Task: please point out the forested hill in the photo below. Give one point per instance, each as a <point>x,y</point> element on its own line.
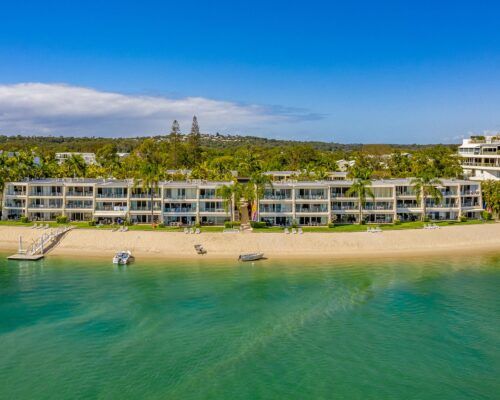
<point>216,142</point>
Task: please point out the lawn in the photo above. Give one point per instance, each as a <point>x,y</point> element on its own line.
<point>363,228</point>
<point>273,229</point>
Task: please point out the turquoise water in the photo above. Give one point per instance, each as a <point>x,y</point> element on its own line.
<point>274,330</point>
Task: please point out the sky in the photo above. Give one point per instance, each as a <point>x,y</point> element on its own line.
<point>336,71</point>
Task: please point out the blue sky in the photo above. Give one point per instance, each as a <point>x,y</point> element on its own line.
<point>372,72</point>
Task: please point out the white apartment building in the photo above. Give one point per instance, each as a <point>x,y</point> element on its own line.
<point>480,157</point>
<point>321,202</point>
<point>89,158</point>
<point>112,200</point>
<point>185,202</point>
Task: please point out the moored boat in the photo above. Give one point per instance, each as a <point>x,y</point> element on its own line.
<point>251,257</point>
<point>123,257</point>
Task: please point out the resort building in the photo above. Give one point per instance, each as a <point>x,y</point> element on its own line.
<point>110,201</point>
<point>480,157</point>
<point>321,202</point>
<point>89,158</point>
<point>186,202</point>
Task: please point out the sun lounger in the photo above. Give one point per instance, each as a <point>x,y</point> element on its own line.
<point>197,231</point>
<point>294,231</point>
<point>287,232</point>
<point>300,231</point>
<point>186,230</point>
<point>191,231</point>
<point>34,226</point>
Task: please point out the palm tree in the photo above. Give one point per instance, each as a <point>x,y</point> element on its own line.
<point>76,166</point>
<point>227,194</point>
<point>258,182</point>
<point>491,196</point>
<point>361,189</point>
<point>151,168</point>
<point>425,186</point>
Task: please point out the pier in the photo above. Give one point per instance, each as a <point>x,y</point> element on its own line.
<point>38,249</point>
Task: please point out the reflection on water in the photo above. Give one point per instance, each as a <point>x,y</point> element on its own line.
<point>277,329</point>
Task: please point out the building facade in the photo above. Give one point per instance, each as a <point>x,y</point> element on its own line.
<point>480,157</point>
<point>109,201</point>
<point>318,203</point>
<point>186,202</point>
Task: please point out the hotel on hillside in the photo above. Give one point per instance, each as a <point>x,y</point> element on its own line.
<point>480,157</point>
<point>186,202</point>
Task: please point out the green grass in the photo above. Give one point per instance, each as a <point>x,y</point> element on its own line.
<point>363,228</point>
<point>273,229</point>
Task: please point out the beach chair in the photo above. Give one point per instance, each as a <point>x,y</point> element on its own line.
<point>191,231</point>
<point>369,230</point>
<point>125,229</point>
<point>287,232</point>
<point>34,226</point>
<point>186,230</point>
<point>197,231</point>
<point>294,231</point>
<point>300,231</point>
<point>46,226</point>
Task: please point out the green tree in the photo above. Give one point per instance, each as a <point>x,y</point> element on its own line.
<point>361,189</point>
<point>151,168</point>
<point>194,148</point>
<point>175,141</point>
<point>426,186</point>
<point>256,187</point>
<point>491,197</point>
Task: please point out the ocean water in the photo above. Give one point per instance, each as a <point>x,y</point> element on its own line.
<point>417,329</point>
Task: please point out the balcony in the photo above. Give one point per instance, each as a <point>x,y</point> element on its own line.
<point>179,210</point>
<point>79,194</point>
<point>311,197</point>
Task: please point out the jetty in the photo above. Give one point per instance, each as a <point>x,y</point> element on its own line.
<point>37,250</point>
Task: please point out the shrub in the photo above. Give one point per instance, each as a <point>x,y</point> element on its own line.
<point>228,224</point>
<point>426,219</point>
<point>197,225</point>
<point>92,223</point>
<point>236,224</point>
<point>331,225</point>
<point>161,225</point>
<point>486,215</point>
<point>463,218</point>
<point>397,221</point>
<point>62,219</point>
<point>363,222</point>
<point>257,225</point>
<point>24,219</point>
<point>295,224</point>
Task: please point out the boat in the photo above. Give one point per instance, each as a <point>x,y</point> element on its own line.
<point>123,257</point>
<point>251,257</point>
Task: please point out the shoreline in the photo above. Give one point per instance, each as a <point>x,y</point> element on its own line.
<point>481,239</point>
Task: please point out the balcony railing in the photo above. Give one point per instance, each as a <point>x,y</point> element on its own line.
<point>179,210</point>
<point>275,197</point>
<point>310,197</point>
<point>46,194</point>
<point>45,206</point>
<point>111,195</point>
<point>15,193</point>
<point>79,194</point>
<point>213,210</point>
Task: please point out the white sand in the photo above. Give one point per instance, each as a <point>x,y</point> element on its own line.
<point>466,239</point>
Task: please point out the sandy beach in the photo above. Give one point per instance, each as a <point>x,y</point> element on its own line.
<point>467,239</point>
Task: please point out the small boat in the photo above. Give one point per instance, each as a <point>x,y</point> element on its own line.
<point>251,257</point>
<point>123,257</point>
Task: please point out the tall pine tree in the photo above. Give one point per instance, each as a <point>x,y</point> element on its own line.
<point>174,140</point>
<point>194,143</point>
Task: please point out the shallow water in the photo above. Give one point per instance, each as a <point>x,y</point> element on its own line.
<point>273,330</point>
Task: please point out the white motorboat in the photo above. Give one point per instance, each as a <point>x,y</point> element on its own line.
<point>123,257</point>
<point>251,257</point>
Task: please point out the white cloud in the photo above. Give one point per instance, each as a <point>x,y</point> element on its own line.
<point>59,109</point>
